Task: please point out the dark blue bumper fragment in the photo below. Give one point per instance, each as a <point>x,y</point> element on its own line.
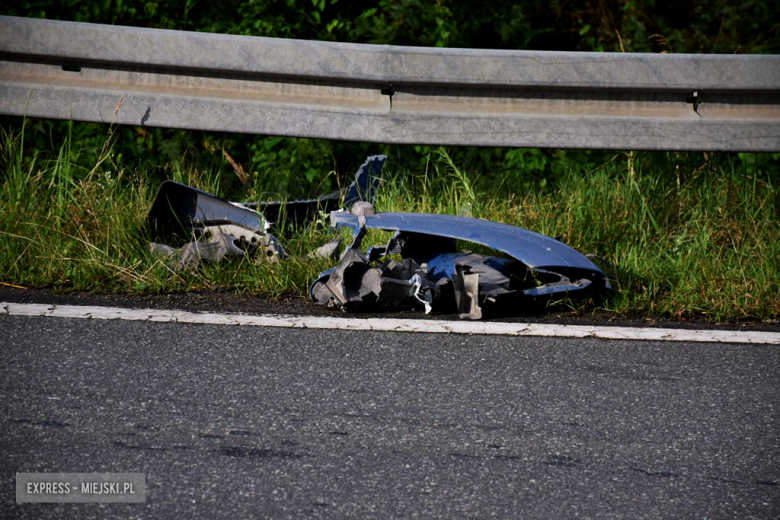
<point>538,266</point>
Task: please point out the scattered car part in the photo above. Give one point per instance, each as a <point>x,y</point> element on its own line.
<point>354,284</point>
<point>363,188</point>
<point>329,249</point>
<point>209,228</point>
<point>179,209</point>
<point>433,274</point>
<point>538,266</point>
<point>533,249</point>
<point>214,245</point>
<point>363,208</point>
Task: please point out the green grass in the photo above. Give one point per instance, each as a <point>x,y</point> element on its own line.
<point>688,237</point>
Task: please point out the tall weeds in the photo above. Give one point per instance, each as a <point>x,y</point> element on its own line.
<point>684,240</point>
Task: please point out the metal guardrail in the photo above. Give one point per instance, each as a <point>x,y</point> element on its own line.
<point>388,94</point>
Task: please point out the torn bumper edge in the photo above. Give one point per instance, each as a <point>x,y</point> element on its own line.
<point>539,253</point>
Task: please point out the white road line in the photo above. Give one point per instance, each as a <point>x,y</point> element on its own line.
<point>391,324</point>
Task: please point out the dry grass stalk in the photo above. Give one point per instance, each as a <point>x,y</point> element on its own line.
<point>240,173</point>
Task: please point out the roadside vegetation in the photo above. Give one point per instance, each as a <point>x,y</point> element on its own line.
<point>686,235</point>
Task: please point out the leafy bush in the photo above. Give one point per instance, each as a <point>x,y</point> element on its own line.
<point>301,167</point>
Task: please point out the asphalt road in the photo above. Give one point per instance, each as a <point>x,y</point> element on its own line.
<point>250,422</point>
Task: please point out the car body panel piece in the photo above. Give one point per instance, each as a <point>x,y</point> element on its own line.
<point>179,208</point>
<point>532,249</point>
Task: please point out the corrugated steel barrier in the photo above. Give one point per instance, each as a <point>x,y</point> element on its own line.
<point>388,94</point>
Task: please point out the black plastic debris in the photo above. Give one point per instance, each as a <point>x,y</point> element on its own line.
<point>440,278</point>
<point>356,285</point>
<point>178,210</point>
<point>367,180</point>
<point>204,227</point>
<point>189,225</point>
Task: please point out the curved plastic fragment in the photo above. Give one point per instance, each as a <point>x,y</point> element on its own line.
<point>532,249</point>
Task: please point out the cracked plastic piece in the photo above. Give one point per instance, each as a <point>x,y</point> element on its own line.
<point>179,209</point>
<point>474,275</point>
<point>329,249</point>
<point>419,293</point>
<point>467,294</point>
<point>423,237</point>
<point>355,285</point>
<point>214,245</point>
<point>533,249</point>
<point>206,227</point>
<point>367,180</point>
<point>471,283</point>
<point>190,254</point>
<point>185,215</point>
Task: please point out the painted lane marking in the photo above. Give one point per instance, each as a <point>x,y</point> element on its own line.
<point>391,324</point>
